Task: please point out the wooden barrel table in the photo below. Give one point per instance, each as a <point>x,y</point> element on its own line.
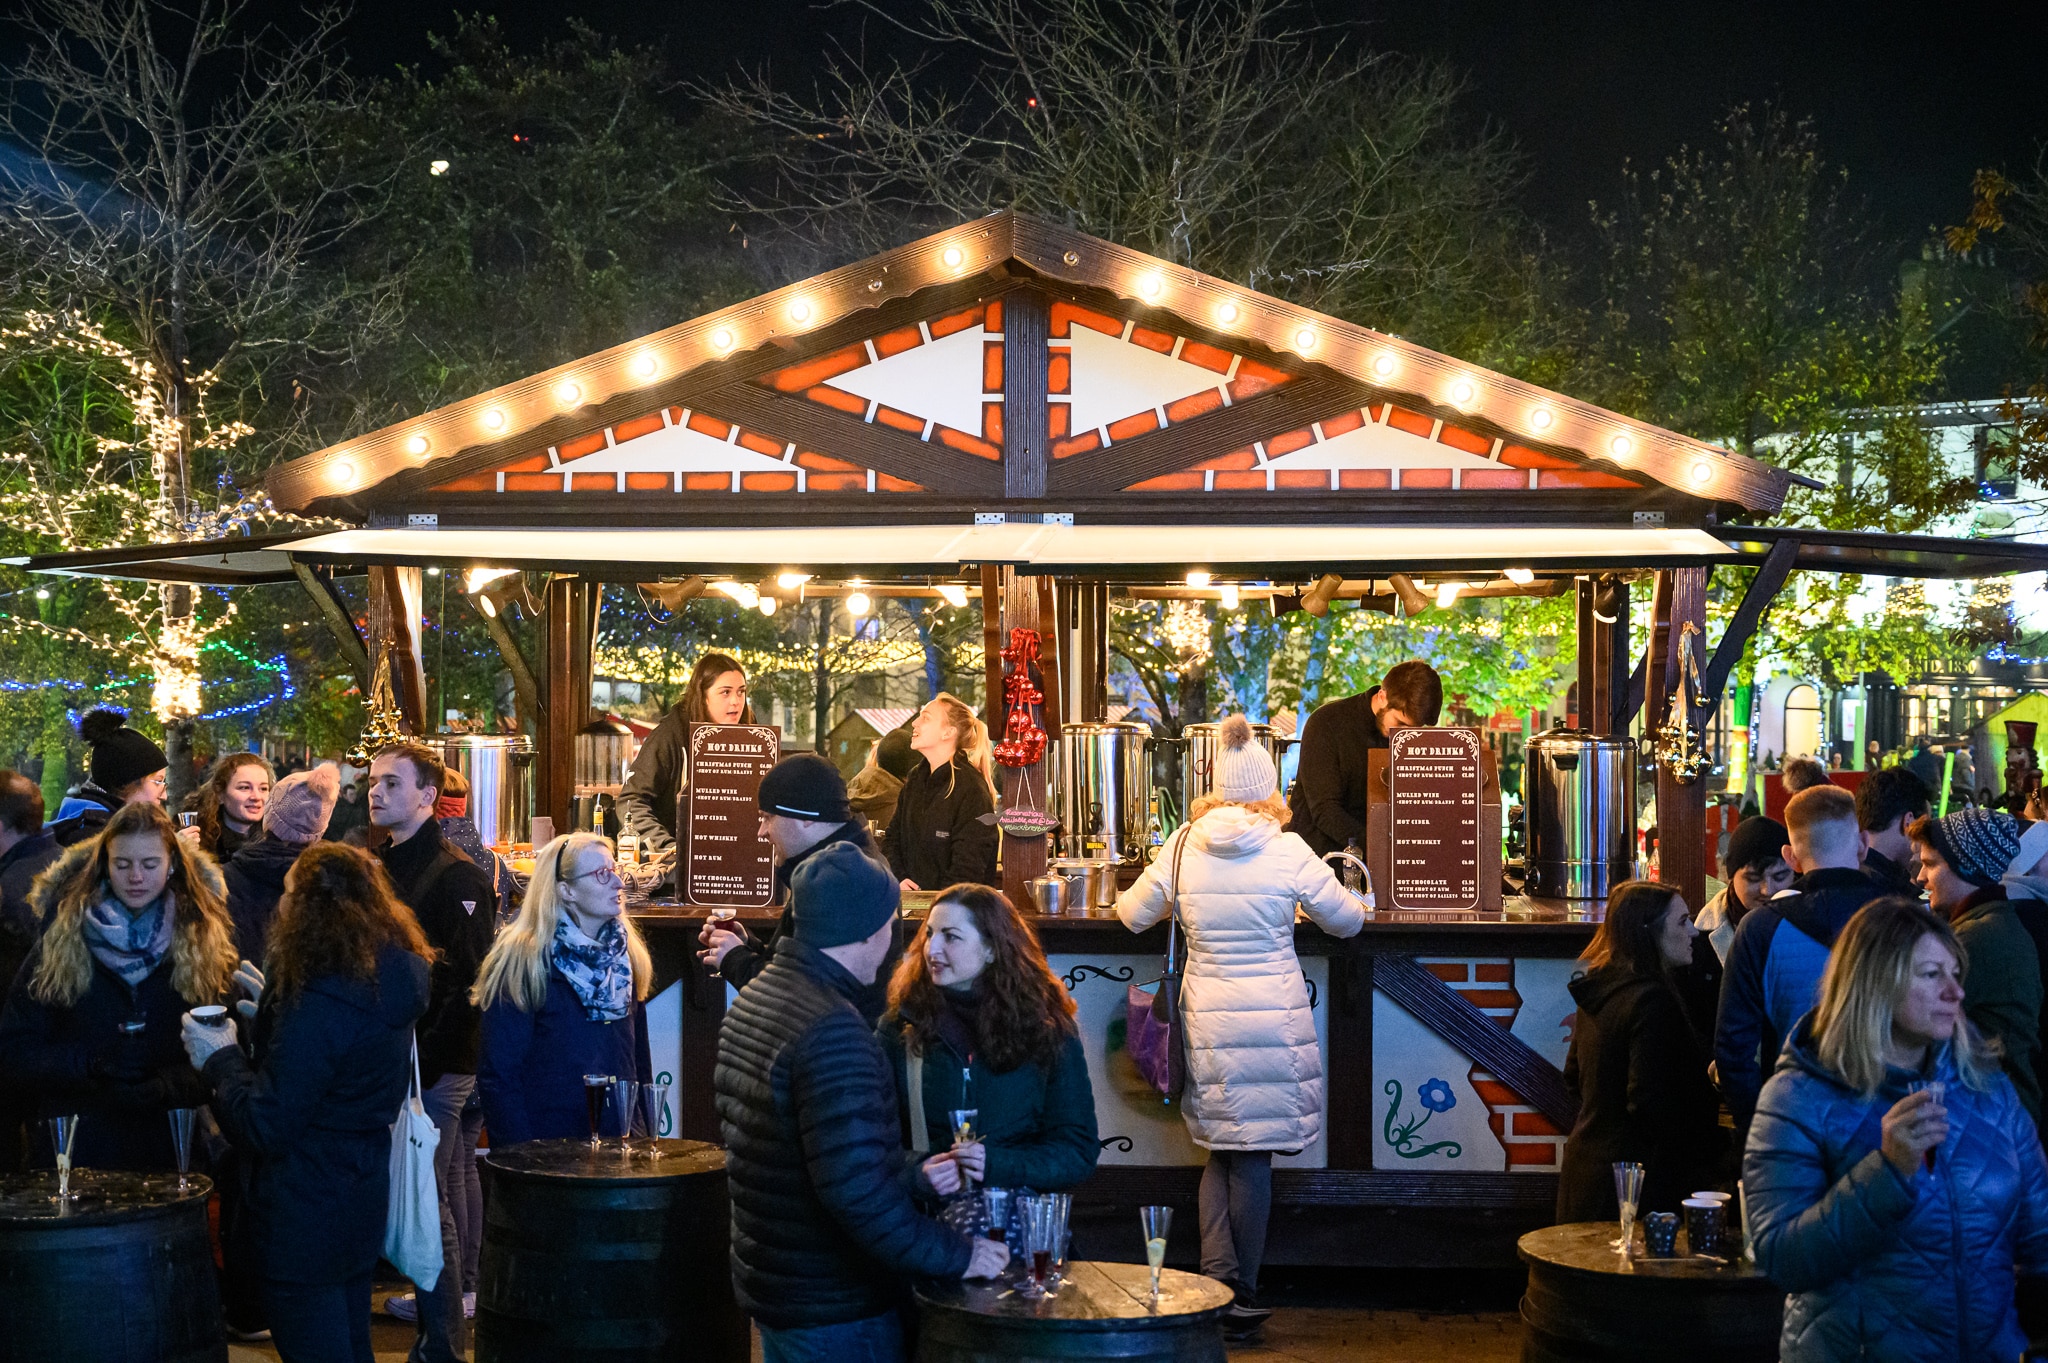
<point>123,1273</point>
<point>604,1257</point>
<point>1588,1304</point>
<point>1101,1311</point>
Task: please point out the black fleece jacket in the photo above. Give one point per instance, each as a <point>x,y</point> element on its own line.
<point>943,832</point>
<point>823,1231</point>
<point>1328,801</point>
<point>457,911</point>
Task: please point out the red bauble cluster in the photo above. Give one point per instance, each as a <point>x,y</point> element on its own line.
<point>1023,741</point>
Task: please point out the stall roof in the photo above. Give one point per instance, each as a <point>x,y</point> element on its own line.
<point>1845,551</point>
<point>241,561</point>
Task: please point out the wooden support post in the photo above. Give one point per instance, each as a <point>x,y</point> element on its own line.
<point>568,630</point>
<point>1027,432</point>
<point>1049,662</point>
<point>992,579</point>
<point>1093,648</point>
<point>1603,656</point>
<point>396,597</point>
<point>333,614</point>
<point>1681,597</point>
<point>1620,707</point>
<point>1024,859</point>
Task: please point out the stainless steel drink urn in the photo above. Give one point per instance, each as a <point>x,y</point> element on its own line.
<point>1100,783</point>
<point>1198,756</point>
<point>500,773</point>
<point>1579,804</point>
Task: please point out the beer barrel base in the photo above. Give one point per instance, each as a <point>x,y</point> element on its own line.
<point>1102,1311</point>
<point>1586,1304</point>
<point>123,1274</point>
<point>606,1258</point>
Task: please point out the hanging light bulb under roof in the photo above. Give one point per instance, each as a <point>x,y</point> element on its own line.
<point>745,593</point>
<point>1446,595</point>
<point>857,603</point>
<point>1198,577</point>
<point>1227,596</point>
<point>789,582</point>
<point>953,594</point>
<point>768,605</point>
<point>1521,577</point>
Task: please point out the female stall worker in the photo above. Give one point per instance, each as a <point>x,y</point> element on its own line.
<point>978,1020</point>
<point>1893,1213</point>
<point>944,832</point>
<point>717,694</point>
<point>561,993</point>
<point>231,804</point>
<point>138,933</point>
<point>310,1110</point>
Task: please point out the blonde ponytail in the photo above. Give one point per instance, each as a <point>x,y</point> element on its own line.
<point>971,739</point>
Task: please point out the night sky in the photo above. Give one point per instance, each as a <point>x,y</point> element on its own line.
<point>1911,99</point>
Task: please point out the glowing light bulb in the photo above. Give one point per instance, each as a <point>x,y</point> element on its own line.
<point>789,582</point>
<point>1227,314</point>
<point>1384,364</point>
<point>953,594</point>
<point>857,603</point>
<point>723,340</point>
<point>568,392</point>
<point>475,578</point>
<point>431,572</point>
<point>437,167</point>
<point>768,605</point>
<point>1521,577</point>
<point>1621,445</point>
<point>645,364</point>
<point>416,445</point>
<point>1228,596</point>
<point>1151,286</point>
<point>1305,339</point>
<point>745,593</point>
<point>1463,391</point>
<point>344,473</point>
<point>1198,578</point>
<point>488,607</point>
<point>952,257</point>
<point>1541,418</point>
<point>1446,595</point>
<point>799,312</point>
<point>494,419</point>
<point>1702,471</point>
<point>43,594</point>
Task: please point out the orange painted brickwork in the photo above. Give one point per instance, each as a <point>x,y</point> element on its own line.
<point>1531,1141</point>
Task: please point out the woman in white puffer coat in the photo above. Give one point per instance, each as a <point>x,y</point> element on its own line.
<point>1255,1073</point>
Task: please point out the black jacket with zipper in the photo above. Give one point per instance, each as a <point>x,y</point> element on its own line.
<point>457,908</point>
<point>944,830</point>
<point>744,961</point>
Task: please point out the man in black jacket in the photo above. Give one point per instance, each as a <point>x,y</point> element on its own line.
<point>26,849</point>
<point>457,908</point>
<point>824,1232</point>
<point>804,810</point>
<point>1886,803</point>
<point>1328,800</point>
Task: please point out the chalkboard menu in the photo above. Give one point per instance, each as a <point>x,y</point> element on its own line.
<point>725,860</point>
<point>1434,788</point>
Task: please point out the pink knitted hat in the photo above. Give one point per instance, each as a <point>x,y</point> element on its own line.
<point>301,804</point>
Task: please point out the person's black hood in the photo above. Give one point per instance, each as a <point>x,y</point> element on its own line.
<point>1824,900</point>
<point>265,862</point>
<point>396,997</point>
<point>1598,989</point>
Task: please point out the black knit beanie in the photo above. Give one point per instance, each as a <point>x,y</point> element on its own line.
<point>1754,840</point>
<point>805,786</point>
<point>120,756</point>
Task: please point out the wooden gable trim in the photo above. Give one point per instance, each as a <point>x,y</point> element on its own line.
<point>838,436</point>
<point>1181,447</point>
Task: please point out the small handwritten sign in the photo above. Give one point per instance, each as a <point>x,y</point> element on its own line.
<point>726,860</point>
<point>1435,785</point>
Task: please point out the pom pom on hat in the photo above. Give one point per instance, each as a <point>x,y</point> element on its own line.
<point>1243,771</point>
<point>120,756</point>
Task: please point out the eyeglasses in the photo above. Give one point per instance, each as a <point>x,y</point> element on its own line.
<point>608,871</point>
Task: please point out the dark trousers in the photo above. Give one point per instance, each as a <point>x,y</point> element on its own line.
<point>242,1285</point>
<point>443,1333</point>
<point>320,1322</point>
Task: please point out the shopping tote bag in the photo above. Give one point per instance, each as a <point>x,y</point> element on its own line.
<point>412,1220</point>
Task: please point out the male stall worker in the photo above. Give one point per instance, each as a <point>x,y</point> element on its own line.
<point>1327,803</point>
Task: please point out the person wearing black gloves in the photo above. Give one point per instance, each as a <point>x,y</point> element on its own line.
<point>136,934</point>
<point>803,811</point>
<point>1327,803</point>
<point>824,1231</point>
<point>944,829</point>
<point>453,900</point>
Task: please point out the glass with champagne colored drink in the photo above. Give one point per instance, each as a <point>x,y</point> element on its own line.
<point>595,1087</point>
<point>182,1119</point>
<point>63,1130</point>
<point>1155,1222</point>
<point>653,1103</point>
<point>721,915</point>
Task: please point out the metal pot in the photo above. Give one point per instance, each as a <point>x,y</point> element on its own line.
<point>1202,742</point>
<point>1050,893</point>
<point>1579,804</point>
<point>1099,786</point>
<point>499,768</point>
<point>1091,881</point>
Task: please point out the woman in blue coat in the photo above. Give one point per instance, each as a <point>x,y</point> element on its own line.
<point>563,994</point>
<point>1895,1215</point>
<point>310,1110</point>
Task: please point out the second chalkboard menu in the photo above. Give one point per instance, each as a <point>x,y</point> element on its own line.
<point>726,861</point>
<point>1433,824</point>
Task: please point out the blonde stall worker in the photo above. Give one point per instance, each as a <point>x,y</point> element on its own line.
<point>944,829</point>
<point>1255,1072</point>
<point>563,994</point>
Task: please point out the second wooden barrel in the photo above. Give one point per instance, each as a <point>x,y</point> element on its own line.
<point>1102,1311</point>
<point>603,1257</point>
<point>1586,1304</point>
<point>122,1274</point>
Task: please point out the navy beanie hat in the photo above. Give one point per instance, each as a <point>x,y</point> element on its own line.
<point>1978,844</point>
<point>804,785</point>
<point>839,895</point>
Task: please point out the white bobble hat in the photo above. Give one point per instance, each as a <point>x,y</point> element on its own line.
<point>1244,769</point>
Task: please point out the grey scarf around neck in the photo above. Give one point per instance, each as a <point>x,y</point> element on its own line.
<point>130,946</point>
<point>599,970</point>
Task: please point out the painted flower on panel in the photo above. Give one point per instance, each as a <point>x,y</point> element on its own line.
<point>1436,1095</point>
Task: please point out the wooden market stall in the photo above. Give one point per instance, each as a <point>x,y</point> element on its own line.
<point>1016,411</point>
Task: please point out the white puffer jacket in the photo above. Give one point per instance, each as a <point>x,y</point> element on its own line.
<point>1255,1074</point>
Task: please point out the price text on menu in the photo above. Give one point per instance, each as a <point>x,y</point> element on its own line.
<point>1434,784</point>
<point>726,860</point>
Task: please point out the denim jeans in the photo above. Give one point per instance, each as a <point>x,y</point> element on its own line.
<point>443,1333</point>
<point>878,1339</point>
<point>320,1322</point>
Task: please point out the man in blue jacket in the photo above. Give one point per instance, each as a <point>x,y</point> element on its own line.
<point>1774,967</point>
<point>824,1233</point>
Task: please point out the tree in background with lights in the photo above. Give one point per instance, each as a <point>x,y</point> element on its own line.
<point>2011,215</point>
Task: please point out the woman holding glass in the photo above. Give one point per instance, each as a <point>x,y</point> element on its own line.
<point>1895,1183</point>
<point>979,1025</point>
<point>138,932</point>
<point>310,1107</point>
<point>231,805</point>
<point>562,994</point>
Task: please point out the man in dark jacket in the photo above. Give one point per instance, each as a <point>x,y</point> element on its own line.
<point>26,848</point>
<point>804,810</point>
<point>452,897</point>
<point>824,1233</point>
<point>1774,968</point>
<point>1887,802</point>
<point>1328,799</point>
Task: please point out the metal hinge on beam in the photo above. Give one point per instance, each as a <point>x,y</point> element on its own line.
<point>1649,520</point>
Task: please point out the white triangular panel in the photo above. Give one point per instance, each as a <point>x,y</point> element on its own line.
<point>1373,446</point>
<point>674,449</point>
<point>939,381</point>
<point>1113,379</point>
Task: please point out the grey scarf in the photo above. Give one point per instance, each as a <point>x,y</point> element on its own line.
<point>598,969</point>
<point>132,946</point>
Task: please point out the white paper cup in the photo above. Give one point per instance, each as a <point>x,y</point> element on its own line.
<point>210,1015</point>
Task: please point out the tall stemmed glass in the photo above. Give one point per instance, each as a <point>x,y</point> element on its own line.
<point>625,1101</point>
<point>63,1130</point>
<point>653,1104</point>
<point>1156,1222</point>
<point>182,1119</point>
<point>1628,1191</point>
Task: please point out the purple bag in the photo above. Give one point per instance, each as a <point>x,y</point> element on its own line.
<point>1152,1022</point>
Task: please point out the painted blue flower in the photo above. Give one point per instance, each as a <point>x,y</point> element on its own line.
<point>1436,1095</point>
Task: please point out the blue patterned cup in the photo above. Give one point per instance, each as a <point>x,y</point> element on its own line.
<point>1660,1234</point>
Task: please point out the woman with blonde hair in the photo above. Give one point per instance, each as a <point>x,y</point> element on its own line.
<point>1254,1069</point>
<point>1894,1181</point>
<point>137,932</point>
<point>944,831</point>
<point>563,994</point>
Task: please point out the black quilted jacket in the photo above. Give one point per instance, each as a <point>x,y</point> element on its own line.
<point>822,1231</point>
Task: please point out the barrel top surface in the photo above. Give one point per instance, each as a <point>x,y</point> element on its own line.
<point>1093,1296</point>
<point>575,1161</point>
<point>1585,1247</point>
<point>101,1196</point>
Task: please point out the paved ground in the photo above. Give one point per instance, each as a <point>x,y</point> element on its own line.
<point>1353,1315</point>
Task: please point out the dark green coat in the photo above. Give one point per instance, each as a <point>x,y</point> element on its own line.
<point>2002,988</point>
<point>1037,1121</point>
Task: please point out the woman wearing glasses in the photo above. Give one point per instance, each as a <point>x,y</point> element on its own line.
<point>717,694</point>
<point>562,995</point>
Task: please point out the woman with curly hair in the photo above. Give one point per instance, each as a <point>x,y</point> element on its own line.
<point>137,932</point>
<point>230,804</point>
<point>310,1106</point>
<point>563,994</point>
<point>978,1020</point>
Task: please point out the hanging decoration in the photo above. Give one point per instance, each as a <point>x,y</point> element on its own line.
<point>385,723</point>
<point>1678,744</point>
<point>1023,741</point>
<point>1186,628</point>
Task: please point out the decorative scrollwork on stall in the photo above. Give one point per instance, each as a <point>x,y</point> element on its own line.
<point>1122,974</point>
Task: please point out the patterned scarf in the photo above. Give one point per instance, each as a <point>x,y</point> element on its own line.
<point>598,969</point>
<point>130,946</point>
